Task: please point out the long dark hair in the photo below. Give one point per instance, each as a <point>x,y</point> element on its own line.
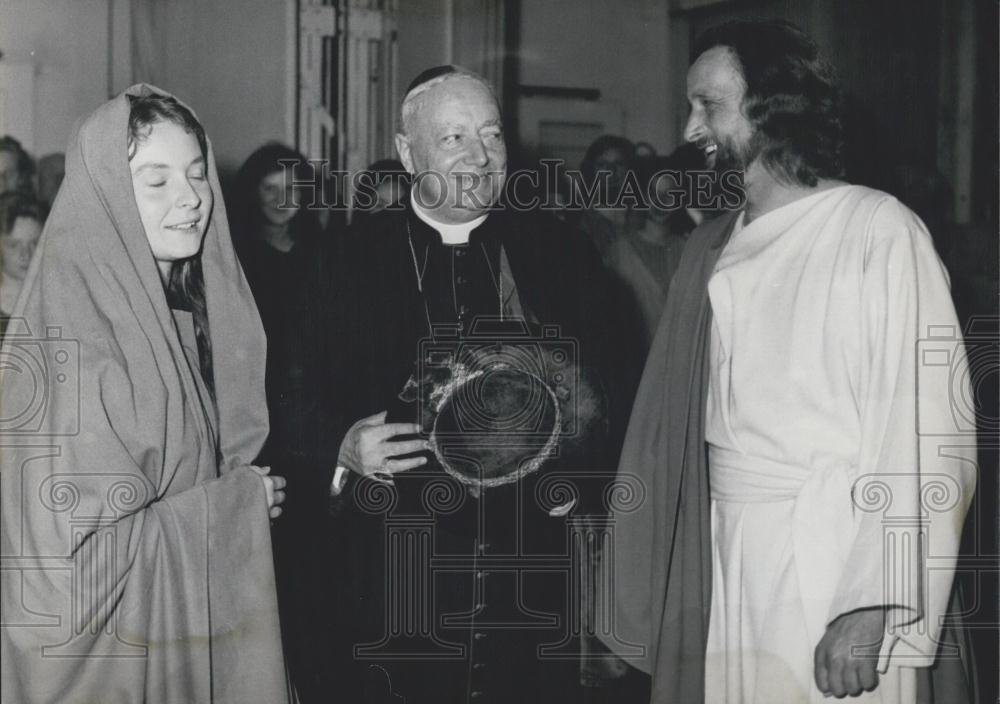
<point>792,98</point>
<point>185,288</point>
<point>264,161</point>
<point>19,204</point>
<point>25,164</point>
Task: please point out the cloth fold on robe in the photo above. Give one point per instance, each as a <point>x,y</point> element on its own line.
<point>830,422</point>
<point>135,538</point>
<point>660,558</point>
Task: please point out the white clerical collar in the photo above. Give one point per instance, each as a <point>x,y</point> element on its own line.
<point>450,234</point>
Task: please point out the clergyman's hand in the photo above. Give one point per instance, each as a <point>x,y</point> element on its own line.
<point>369,444</point>
<point>845,659</point>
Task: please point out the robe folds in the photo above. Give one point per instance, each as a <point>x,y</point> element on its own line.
<point>840,473</point>
<point>658,592</point>
<point>136,554</point>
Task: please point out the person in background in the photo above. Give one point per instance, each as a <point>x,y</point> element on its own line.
<point>17,168</point>
<point>21,220</point>
<point>51,170</point>
<point>287,262</point>
<point>645,257</point>
<point>382,185</point>
<point>137,558</point>
<point>604,169</point>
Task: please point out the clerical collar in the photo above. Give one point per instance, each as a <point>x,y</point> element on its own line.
<point>450,234</point>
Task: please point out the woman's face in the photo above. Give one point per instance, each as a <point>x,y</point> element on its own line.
<point>17,246</point>
<point>170,179</point>
<point>277,199</point>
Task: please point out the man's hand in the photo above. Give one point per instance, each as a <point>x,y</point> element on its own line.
<point>273,486</point>
<point>368,445</point>
<point>845,659</point>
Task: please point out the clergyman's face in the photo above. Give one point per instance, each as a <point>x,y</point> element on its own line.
<point>717,124</point>
<point>454,147</point>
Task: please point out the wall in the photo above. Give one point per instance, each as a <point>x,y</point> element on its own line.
<point>230,60</point>
<point>423,38</point>
<point>65,42</point>
<point>619,48</point>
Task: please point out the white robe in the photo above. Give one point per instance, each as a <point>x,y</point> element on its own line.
<point>840,475</point>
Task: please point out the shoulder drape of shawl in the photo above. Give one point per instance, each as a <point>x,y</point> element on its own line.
<point>660,560</point>
<point>136,546</point>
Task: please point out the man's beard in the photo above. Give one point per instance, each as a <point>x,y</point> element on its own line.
<point>730,157</point>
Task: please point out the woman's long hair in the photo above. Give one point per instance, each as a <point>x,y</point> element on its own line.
<point>265,160</point>
<point>185,287</point>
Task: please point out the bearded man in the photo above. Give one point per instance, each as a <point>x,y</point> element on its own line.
<point>813,558</point>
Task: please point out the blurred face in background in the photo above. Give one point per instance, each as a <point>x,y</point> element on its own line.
<point>276,198</point>
<point>17,246</point>
<point>615,163</point>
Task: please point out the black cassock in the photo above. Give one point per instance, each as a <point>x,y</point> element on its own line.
<point>445,595</point>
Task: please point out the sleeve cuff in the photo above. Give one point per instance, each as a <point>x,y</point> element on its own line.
<point>339,480</point>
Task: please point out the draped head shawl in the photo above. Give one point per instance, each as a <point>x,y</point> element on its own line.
<point>135,538</point>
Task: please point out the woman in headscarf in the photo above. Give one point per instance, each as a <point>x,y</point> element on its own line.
<point>135,536</point>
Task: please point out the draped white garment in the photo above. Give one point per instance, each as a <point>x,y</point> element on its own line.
<point>840,475</point>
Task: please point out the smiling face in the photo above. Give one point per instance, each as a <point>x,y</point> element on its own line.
<point>455,139</point>
<point>276,197</point>
<point>715,90</point>
<point>170,180</point>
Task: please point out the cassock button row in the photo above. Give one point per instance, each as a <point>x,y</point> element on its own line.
<point>475,694</point>
<point>479,635</point>
<point>460,280</point>
<point>480,574</point>
<point>460,251</point>
<point>479,666</point>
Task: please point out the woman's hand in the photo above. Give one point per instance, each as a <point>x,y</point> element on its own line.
<point>273,489</point>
